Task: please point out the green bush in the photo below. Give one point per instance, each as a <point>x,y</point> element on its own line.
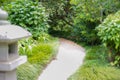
<point>3,2</point>
<point>43,47</point>
<point>109,33</point>
<point>60,16</point>
<point>26,45</point>
<point>88,15</point>
<point>28,14</point>
<point>96,54</point>
<point>30,46</point>
<point>84,30</point>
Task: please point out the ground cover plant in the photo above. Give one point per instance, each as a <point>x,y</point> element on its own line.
<point>3,2</point>
<point>96,66</point>
<point>88,15</point>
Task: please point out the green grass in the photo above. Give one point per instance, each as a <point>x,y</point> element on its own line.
<point>28,71</point>
<point>43,53</point>
<point>39,56</point>
<point>95,66</point>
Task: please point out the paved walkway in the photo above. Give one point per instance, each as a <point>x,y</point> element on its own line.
<point>70,57</point>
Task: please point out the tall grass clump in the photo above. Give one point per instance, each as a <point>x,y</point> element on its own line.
<point>39,54</point>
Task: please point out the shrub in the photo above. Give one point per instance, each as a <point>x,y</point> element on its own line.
<point>42,53</point>
<point>60,16</point>
<point>45,38</point>
<point>84,30</point>
<point>109,33</point>
<point>39,55</point>
<point>3,2</point>
<point>88,15</point>
<point>28,14</point>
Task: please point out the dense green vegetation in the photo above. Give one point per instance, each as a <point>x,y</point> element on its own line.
<point>28,14</point>
<point>96,66</point>
<point>94,22</point>
<point>109,32</point>
<point>89,14</point>
<point>3,2</point>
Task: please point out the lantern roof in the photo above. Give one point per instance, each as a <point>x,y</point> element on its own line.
<point>11,33</point>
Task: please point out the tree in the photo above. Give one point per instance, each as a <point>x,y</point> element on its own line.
<point>91,13</point>
<point>60,15</point>
<point>30,15</point>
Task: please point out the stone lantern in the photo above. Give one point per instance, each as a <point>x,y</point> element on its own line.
<point>9,57</point>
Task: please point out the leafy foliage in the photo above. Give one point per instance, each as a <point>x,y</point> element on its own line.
<point>109,32</point>
<point>88,15</point>
<point>60,16</point>
<point>85,31</point>
<point>41,48</point>
<point>28,14</point>
<point>27,46</point>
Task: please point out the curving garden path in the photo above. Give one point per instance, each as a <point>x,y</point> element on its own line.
<point>69,58</point>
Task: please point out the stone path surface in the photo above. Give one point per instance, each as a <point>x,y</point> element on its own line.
<point>69,58</point>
